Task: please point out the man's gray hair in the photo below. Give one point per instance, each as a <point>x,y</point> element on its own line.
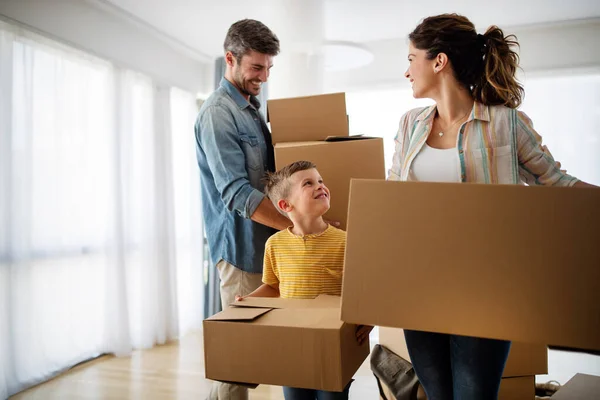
<point>247,35</point>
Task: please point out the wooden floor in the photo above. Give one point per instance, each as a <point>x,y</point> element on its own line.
<point>173,371</point>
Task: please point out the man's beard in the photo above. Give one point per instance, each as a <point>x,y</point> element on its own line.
<point>239,80</point>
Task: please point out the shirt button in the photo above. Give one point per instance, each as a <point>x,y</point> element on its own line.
<point>461,151</point>
<point>463,177</point>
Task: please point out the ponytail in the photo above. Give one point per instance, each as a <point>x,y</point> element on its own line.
<point>498,84</point>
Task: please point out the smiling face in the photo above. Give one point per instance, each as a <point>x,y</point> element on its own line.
<point>249,72</point>
<point>308,195</point>
<point>421,73</point>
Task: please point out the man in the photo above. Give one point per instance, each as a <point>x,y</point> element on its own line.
<point>234,150</point>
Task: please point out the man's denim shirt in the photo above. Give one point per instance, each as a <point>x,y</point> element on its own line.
<point>233,156</point>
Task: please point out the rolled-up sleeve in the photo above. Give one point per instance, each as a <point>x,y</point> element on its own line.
<point>217,137</point>
<point>395,172</point>
<point>536,164</point>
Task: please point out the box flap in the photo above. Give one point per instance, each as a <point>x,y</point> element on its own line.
<point>269,302</point>
<point>239,314</point>
<point>308,118</point>
<point>346,138</point>
<point>303,318</point>
<point>322,301</point>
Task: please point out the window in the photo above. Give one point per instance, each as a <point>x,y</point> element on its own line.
<point>100,228</point>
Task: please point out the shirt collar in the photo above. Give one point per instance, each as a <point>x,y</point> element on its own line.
<point>480,112</point>
<point>429,112</point>
<point>235,94</point>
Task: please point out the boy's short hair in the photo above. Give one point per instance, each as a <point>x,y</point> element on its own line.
<point>277,184</point>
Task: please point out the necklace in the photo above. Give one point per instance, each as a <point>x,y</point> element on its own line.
<point>452,126</point>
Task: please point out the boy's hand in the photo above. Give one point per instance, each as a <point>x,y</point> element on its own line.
<point>362,332</point>
<point>238,297</point>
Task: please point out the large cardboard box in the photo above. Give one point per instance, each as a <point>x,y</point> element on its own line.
<point>581,386</point>
<point>525,359</point>
<point>315,128</point>
<point>497,261</point>
<point>286,342</point>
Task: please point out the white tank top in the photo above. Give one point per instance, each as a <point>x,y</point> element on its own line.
<point>436,165</point>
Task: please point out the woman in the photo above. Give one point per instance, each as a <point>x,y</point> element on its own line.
<point>472,134</point>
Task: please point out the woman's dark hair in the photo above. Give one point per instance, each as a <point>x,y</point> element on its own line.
<point>484,64</point>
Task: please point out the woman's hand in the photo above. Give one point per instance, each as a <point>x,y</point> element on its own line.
<point>583,184</point>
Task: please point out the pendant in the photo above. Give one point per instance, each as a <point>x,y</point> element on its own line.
<point>441,134</point>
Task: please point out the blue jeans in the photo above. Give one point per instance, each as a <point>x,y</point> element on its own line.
<point>310,394</point>
<point>457,367</point>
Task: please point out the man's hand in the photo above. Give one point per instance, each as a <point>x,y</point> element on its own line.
<point>238,297</point>
<point>333,223</point>
<point>267,214</point>
<point>362,333</point>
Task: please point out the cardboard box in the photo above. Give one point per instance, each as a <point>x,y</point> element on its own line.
<point>315,128</point>
<point>498,261</point>
<point>309,118</point>
<point>525,359</point>
<point>338,163</point>
<point>285,342</point>
<point>521,388</point>
<point>581,386</point>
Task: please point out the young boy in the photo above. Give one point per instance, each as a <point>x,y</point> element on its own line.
<point>306,259</point>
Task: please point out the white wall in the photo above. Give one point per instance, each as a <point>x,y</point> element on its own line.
<point>96,27</point>
<point>548,47</point>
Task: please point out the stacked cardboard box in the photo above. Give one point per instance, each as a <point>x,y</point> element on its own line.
<point>315,128</point>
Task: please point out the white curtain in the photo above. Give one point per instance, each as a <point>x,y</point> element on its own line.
<point>190,244</point>
<point>95,254</point>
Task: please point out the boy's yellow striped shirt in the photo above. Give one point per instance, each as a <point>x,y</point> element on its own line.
<point>305,267</point>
